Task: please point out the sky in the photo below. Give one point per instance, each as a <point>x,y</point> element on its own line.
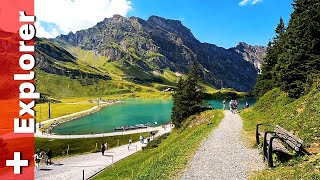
<point>220,22</point>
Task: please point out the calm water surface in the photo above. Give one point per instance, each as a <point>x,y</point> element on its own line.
<point>131,112</point>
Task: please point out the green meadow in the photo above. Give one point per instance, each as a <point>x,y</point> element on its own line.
<point>300,116</point>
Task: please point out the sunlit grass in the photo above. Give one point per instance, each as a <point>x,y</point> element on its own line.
<point>169,159</point>
<point>60,109</point>
<point>301,117</point>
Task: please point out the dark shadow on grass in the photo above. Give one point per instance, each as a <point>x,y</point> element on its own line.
<point>283,157</point>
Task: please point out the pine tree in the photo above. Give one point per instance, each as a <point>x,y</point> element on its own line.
<point>177,108</point>
<point>301,58</point>
<point>293,57</point>
<point>188,97</point>
<point>192,90</point>
<point>267,80</point>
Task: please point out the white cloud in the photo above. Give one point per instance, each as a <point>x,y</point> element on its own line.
<point>256,1</point>
<point>74,15</point>
<point>246,2</point>
<point>41,32</point>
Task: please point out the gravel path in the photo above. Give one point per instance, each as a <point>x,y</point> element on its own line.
<point>223,155</point>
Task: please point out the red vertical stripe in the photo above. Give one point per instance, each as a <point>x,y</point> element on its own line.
<point>9,89</point>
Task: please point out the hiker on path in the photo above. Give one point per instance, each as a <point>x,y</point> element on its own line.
<point>36,159</point>
<point>106,146</point>
<point>224,104</point>
<point>130,142</point>
<point>231,104</point>
<point>49,156</point>
<point>141,139</point>
<point>236,103</point>
<point>103,149</point>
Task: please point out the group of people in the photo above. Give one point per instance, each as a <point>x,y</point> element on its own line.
<point>142,139</point>
<point>42,157</point>
<point>233,105</point>
<point>148,138</point>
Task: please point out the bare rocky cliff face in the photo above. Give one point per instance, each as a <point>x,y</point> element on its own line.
<point>252,54</point>
<point>158,43</point>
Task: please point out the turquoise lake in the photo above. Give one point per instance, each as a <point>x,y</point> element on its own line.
<point>131,112</point>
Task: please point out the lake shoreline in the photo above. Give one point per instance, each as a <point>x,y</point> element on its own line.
<point>133,112</point>
<point>47,126</point>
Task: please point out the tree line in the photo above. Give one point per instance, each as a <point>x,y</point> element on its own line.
<point>292,61</point>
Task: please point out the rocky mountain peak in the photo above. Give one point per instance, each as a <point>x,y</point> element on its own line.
<point>173,26</point>
<point>159,43</point>
<point>253,54</point>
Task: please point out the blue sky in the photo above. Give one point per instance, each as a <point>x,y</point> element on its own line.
<point>221,22</point>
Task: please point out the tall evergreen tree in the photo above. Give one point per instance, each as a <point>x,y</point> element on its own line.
<point>192,90</point>
<point>178,109</point>
<point>188,97</point>
<point>301,57</point>
<point>267,80</point>
<point>293,58</point>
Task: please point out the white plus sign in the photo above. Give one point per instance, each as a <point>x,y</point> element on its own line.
<point>17,163</point>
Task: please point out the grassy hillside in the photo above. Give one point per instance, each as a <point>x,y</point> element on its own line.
<point>124,79</point>
<point>301,117</point>
<point>68,71</point>
<point>171,156</point>
<point>62,86</point>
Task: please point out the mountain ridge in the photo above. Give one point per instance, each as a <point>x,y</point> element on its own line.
<point>157,43</point>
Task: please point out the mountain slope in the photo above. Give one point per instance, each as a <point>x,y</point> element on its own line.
<point>71,71</point>
<point>159,44</point>
<point>252,54</point>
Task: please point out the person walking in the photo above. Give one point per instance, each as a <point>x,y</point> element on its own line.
<point>224,104</point>
<point>106,146</point>
<point>103,149</point>
<point>141,139</point>
<point>36,159</point>
<point>49,156</point>
<point>151,135</point>
<point>130,142</point>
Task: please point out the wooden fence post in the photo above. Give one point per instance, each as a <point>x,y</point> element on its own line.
<point>68,150</point>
